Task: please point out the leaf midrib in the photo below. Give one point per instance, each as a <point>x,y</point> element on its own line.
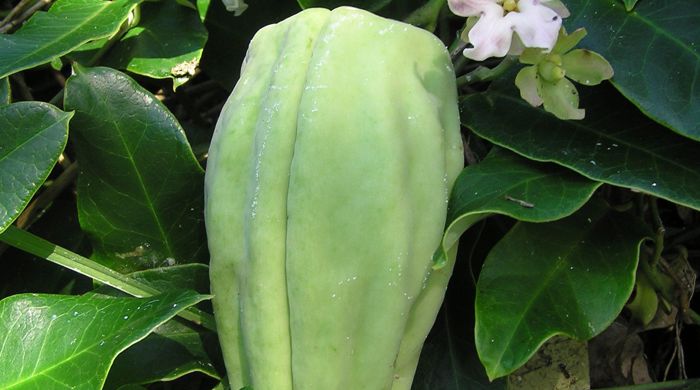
<point>40,132</point>
<point>59,38</point>
<point>91,346</point>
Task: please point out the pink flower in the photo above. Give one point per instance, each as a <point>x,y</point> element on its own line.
<point>536,23</point>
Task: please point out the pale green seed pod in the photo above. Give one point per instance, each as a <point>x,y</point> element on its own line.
<point>326,194</point>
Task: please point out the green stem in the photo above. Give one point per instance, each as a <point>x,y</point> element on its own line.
<point>427,15</point>
<point>483,73</point>
<point>37,246</point>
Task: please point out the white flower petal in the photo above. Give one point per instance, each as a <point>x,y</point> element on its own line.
<point>491,36</point>
<point>472,7</point>
<point>536,25</point>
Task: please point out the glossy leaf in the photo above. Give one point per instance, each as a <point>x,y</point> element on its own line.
<point>569,277</point>
<point>613,144</point>
<point>67,25</point>
<point>169,278</point>
<point>370,5</point>
<point>64,342</point>
<point>32,136</point>
<point>167,43</point>
<point>140,189</point>
<point>5,92</point>
<point>507,184</point>
<point>654,51</point>
<point>177,277</point>
<point>173,350</point>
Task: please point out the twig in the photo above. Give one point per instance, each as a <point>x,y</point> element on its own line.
<point>16,10</point>
<point>520,202</point>
<point>24,16</point>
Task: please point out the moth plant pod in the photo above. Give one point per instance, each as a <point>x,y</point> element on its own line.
<point>326,195</point>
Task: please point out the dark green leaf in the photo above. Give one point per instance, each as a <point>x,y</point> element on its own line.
<point>505,183</point>
<point>166,43</point>
<point>140,190</point>
<point>654,51</point>
<point>186,276</point>
<point>5,93</point>
<point>57,341</point>
<point>569,277</point>
<point>170,278</point>
<point>67,25</point>
<point>32,136</point>
<point>370,5</point>
<point>173,350</point>
<point>614,144</point>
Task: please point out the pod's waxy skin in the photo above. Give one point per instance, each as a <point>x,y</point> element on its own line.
<point>326,195</point>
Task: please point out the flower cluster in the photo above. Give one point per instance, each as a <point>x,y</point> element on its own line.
<point>532,29</point>
<point>545,81</point>
<point>535,23</point>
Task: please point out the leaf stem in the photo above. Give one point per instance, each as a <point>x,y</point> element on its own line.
<point>37,246</point>
<point>483,73</point>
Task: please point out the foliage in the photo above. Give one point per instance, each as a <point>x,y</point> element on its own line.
<point>569,227</point>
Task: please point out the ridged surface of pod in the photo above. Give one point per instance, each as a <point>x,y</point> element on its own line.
<point>326,194</point>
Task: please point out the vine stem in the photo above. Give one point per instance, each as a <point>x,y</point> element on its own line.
<point>483,73</point>
<point>665,285</point>
<point>37,246</point>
